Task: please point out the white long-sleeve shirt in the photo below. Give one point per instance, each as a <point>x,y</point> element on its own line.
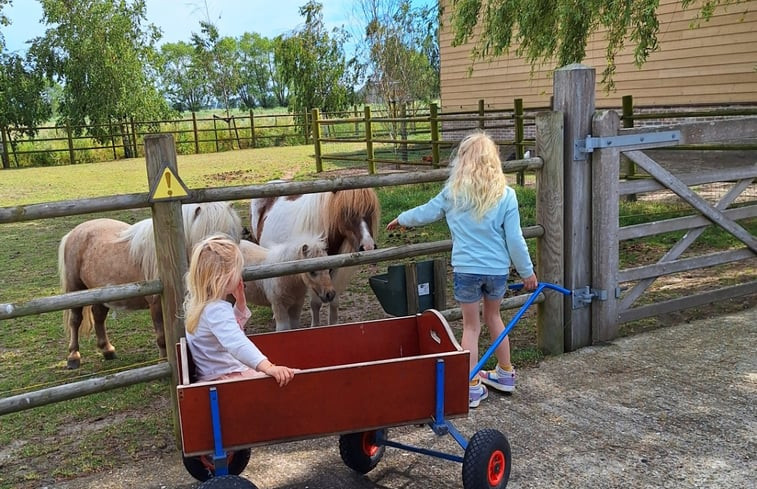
<point>219,345</point>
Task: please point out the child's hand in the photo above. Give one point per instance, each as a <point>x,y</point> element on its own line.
<point>393,224</point>
<point>282,374</point>
<point>531,282</point>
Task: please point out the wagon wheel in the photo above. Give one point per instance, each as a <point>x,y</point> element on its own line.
<point>227,482</point>
<point>487,462</point>
<point>360,452</point>
<point>202,468</point>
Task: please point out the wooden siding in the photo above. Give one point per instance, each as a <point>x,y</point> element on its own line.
<point>713,64</point>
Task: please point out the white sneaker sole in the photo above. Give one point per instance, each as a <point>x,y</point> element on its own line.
<point>496,385</point>
<point>475,404</point>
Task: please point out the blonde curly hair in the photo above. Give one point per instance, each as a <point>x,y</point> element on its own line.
<point>476,181</point>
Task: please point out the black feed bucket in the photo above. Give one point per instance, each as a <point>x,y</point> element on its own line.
<point>412,288</point>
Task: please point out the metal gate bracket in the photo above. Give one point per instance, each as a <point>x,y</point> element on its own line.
<point>582,147</point>
<point>582,297</point>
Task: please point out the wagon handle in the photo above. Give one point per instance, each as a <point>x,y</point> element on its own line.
<point>515,319</point>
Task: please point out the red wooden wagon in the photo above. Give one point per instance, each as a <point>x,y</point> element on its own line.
<point>354,380</point>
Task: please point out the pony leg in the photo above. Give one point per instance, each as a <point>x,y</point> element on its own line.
<point>73,320</point>
<point>281,316</point>
<point>315,310</point>
<point>334,311</point>
<point>99,314</point>
<point>156,313</point>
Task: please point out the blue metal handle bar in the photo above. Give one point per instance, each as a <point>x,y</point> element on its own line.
<point>515,319</point>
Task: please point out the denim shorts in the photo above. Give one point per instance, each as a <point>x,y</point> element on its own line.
<point>471,287</point>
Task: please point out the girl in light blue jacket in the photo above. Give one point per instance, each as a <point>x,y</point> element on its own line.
<point>482,216</point>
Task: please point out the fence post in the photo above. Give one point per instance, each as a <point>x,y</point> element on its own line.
<point>481,115</point>
<point>194,131</point>
<point>519,136</point>
<point>253,143</point>
<point>306,125</point>
<point>112,139</point>
<point>357,123</point>
<point>71,158</point>
<point>6,160</point>
<point>630,165</point>
<point>170,249</point>
<point>317,141</point>
<point>434,121</point>
<point>574,87</point>
<point>369,141</point>
<point>549,215</point>
<point>605,259</point>
<point>215,132</point>
<point>403,133</point>
<point>134,136</point>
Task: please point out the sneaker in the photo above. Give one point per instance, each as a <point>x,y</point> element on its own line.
<point>499,379</point>
<point>476,394</point>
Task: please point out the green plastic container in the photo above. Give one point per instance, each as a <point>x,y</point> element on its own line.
<point>391,290</point>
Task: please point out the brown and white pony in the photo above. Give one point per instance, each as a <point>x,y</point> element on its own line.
<point>103,252</point>
<point>348,218</point>
<point>286,294</point>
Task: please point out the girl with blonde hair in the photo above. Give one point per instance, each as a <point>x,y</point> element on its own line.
<point>482,215</point>
<point>215,335</point>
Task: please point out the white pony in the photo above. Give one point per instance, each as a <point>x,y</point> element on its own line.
<point>348,218</point>
<point>286,294</point>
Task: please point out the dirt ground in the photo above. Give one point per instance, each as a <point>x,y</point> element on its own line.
<point>669,408</point>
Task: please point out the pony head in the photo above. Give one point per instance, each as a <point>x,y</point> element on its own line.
<point>318,281</point>
<point>352,220</point>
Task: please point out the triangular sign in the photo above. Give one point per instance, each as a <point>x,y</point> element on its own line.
<point>168,186</point>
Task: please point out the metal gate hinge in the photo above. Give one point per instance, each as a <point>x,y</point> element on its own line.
<point>582,147</point>
<point>582,297</point>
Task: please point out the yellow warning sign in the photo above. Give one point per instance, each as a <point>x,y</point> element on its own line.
<point>168,186</point>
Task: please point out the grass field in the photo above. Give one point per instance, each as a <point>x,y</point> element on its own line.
<point>131,426</point>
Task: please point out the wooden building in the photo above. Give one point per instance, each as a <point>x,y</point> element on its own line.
<point>714,64</point>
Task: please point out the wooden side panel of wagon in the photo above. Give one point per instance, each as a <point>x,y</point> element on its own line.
<point>353,377</point>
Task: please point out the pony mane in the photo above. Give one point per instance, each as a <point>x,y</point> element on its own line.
<point>344,206</point>
<point>200,220</point>
<point>292,250</point>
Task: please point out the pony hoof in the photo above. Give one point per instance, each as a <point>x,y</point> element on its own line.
<point>109,355</point>
<point>73,363</point>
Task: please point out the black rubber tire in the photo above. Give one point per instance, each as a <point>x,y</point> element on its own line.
<point>202,469</point>
<point>359,450</point>
<point>227,482</point>
<point>487,461</point>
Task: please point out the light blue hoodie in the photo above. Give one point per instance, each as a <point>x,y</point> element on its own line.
<point>485,247</point>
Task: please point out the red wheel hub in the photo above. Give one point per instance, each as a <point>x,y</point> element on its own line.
<point>496,469</point>
<point>369,446</point>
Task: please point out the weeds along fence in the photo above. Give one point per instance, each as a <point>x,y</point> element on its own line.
<point>419,137</point>
<point>160,151</point>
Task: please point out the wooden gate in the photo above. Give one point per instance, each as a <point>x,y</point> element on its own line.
<point>613,304</point>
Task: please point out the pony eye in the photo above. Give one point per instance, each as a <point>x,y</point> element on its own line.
<point>313,274</point>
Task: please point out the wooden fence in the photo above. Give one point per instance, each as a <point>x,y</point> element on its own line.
<point>419,138</point>
<point>60,144</point>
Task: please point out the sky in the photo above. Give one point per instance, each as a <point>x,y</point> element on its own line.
<point>179,18</point>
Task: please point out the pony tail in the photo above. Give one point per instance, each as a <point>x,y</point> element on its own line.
<point>63,278</point>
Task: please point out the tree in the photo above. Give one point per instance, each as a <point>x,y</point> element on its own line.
<point>23,101</point>
<point>403,50</point>
<point>183,80</point>
<point>313,65</point>
<point>102,53</point>
<point>218,57</point>
<point>257,71</point>
<point>557,31</point>
<point>3,21</point>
